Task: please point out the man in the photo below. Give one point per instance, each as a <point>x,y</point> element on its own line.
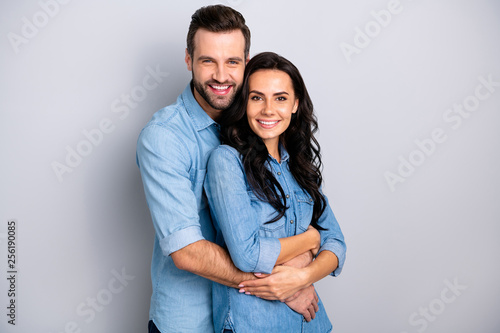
<point>172,154</point>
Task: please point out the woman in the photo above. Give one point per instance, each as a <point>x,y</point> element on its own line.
<point>264,190</point>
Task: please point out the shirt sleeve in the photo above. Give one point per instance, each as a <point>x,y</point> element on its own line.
<point>231,208</point>
<point>332,239</point>
<point>164,164</point>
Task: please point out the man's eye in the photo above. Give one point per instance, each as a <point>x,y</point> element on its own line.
<point>233,62</point>
<point>206,61</point>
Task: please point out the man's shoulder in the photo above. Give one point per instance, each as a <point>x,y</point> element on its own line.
<point>172,117</point>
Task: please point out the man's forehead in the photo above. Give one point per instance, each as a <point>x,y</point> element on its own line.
<point>228,43</point>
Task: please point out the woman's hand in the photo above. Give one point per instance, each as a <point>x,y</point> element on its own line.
<point>283,283</point>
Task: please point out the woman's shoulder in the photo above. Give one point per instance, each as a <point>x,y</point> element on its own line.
<point>224,154</point>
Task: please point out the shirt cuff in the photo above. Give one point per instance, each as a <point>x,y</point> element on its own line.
<point>339,250</point>
<point>180,239</point>
<point>269,250</point>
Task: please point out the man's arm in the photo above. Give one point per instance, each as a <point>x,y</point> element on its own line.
<point>164,162</point>
<point>211,261</point>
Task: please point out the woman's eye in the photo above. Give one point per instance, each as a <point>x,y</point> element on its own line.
<point>255,98</point>
<point>281,98</point>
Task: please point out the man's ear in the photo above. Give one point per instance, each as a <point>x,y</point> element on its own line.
<point>189,61</point>
<point>248,59</point>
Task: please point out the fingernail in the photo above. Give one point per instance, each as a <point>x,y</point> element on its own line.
<point>247,293</point>
<point>241,290</point>
<point>240,286</point>
<point>257,274</point>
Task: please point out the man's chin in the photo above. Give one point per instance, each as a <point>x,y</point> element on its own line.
<point>220,104</point>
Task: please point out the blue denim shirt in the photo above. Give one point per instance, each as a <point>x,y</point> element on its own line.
<point>172,154</point>
<point>239,219</point>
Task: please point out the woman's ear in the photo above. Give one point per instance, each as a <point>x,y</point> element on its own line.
<point>295,106</point>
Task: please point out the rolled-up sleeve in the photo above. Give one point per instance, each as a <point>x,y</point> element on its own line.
<point>332,239</point>
<point>164,164</point>
<point>231,208</point>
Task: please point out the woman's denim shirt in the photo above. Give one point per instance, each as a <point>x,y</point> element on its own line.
<point>239,219</point>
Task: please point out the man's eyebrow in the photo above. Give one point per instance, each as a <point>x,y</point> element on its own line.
<point>205,57</point>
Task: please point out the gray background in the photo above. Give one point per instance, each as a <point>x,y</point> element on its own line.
<point>406,243</point>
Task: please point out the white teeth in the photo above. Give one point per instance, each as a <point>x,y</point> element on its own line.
<point>220,87</point>
<point>268,122</point>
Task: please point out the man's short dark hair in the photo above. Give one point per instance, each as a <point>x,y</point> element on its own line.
<point>217,18</point>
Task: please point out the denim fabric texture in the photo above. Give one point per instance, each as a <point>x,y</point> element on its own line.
<point>172,154</point>
<point>239,220</point>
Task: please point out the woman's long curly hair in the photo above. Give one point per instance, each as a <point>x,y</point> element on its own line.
<point>298,140</point>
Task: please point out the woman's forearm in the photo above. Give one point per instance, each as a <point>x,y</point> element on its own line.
<point>296,245</point>
<point>324,264</point>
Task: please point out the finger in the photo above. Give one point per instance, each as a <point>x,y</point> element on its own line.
<point>261,275</point>
<point>254,283</point>
<point>307,315</point>
<point>315,306</point>
<point>312,312</point>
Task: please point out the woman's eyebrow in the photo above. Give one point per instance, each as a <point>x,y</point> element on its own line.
<point>275,94</point>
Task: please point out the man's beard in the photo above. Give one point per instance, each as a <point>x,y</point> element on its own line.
<point>215,101</point>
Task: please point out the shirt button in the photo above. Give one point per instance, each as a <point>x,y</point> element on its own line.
<point>310,200</point>
<point>287,196</point>
<point>291,221</point>
<point>279,173</point>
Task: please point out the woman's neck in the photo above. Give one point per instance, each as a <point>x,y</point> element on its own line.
<point>273,149</point>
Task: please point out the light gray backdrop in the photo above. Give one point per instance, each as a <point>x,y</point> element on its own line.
<point>407,94</point>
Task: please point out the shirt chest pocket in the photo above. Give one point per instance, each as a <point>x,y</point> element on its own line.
<point>305,205</point>
<point>264,213</point>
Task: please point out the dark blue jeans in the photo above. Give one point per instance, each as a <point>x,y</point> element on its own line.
<point>153,329</point>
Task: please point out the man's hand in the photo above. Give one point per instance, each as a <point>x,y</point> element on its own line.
<point>304,302</point>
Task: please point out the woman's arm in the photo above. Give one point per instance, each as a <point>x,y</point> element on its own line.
<point>294,246</point>
<point>231,207</point>
<point>288,280</point>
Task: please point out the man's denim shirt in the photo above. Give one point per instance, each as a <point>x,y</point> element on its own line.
<point>172,154</point>
<point>239,218</point>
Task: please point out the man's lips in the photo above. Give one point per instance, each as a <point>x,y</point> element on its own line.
<point>220,89</point>
<point>267,124</point>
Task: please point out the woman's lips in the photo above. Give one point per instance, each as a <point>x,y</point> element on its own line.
<point>268,124</point>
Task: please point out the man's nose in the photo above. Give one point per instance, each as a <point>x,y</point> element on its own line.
<point>221,74</point>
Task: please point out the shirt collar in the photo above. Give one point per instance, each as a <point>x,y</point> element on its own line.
<point>283,154</point>
<point>200,118</point>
